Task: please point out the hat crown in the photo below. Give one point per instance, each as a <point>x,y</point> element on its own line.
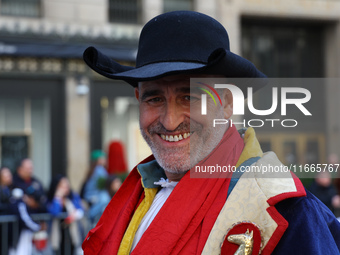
<point>180,36</point>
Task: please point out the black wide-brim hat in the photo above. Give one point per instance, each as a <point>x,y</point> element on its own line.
<point>179,42</point>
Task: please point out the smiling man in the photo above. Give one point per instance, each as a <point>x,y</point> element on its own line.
<point>170,126</point>
<point>161,208</point>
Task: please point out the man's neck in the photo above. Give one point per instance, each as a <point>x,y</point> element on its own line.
<point>174,177</point>
<point>25,179</point>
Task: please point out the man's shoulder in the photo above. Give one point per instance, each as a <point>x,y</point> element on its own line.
<point>273,179</point>
<point>252,201</point>
<point>289,217</point>
<point>307,217</point>
<point>307,204</point>
<point>312,229</point>
<point>17,181</point>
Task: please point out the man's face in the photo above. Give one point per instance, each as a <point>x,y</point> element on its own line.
<point>172,124</point>
<point>6,177</point>
<point>25,171</point>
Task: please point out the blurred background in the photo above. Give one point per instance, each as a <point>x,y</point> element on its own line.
<point>55,110</point>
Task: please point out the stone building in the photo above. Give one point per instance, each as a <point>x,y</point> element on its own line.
<point>55,110</point>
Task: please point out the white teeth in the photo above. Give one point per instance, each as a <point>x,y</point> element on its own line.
<point>175,138</point>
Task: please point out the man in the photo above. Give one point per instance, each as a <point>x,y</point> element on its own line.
<point>323,188</point>
<point>34,194</point>
<point>30,198</point>
<point>160,208</point>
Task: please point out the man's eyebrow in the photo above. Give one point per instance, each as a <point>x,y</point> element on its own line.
<point>183,90</point>
<point>196,90</point>
<point>188,90</point>
<point>150,93</point>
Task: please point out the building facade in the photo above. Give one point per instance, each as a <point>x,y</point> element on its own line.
<point>55,110</point>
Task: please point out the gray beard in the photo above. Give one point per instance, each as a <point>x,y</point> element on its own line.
<point>197,152</point>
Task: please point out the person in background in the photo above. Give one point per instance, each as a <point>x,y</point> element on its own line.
<point>6,179</point>
<point>34,194</point>
<point>113,184</point>
<point>34,199</point>
<point>94,191</point>
<point>324,190</point>
<point>333,159</point>
<point>5,195</point>
<point>61,199</point>
<point>11,202</point>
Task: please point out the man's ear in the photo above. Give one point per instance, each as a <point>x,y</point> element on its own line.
<point>227,103</point>
<point>137,93</point>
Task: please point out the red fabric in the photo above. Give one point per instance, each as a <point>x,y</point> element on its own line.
<point>116,216</point>
<point>281,228</point>
<point>116,163</point>
<point>183,224</point>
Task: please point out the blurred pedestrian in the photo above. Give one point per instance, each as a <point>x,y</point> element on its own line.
<point>113,184</point>
<point>333,160</point>
<point>12,203</point>
<point>27,227</point>
<point>34,194</point>
<point>33,200</point>
<point>5,189</point>
<point>5,195</point>
<point>94,191</point>
<point>61,199</point>
<point>323,189</point>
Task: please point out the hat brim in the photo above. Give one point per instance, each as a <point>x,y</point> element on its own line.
<point>220,62</point>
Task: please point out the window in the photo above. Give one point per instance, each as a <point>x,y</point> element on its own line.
<point>283,48</point>
<point>125,11</point>
<point>176,5</point>
<point>295,149</point>
<point>21,8</point>
<point>289,49</point>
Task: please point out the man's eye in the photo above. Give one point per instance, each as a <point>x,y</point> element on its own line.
<point>154,100</point>
<point>190,99</point>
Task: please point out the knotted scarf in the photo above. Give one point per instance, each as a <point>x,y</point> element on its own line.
<point>182,225</point>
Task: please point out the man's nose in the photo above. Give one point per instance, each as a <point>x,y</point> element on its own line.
<point>172,116</point>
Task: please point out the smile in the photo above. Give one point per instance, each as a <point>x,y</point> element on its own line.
<point>175,138</point>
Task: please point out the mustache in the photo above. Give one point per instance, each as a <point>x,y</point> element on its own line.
<point>185,126</point>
